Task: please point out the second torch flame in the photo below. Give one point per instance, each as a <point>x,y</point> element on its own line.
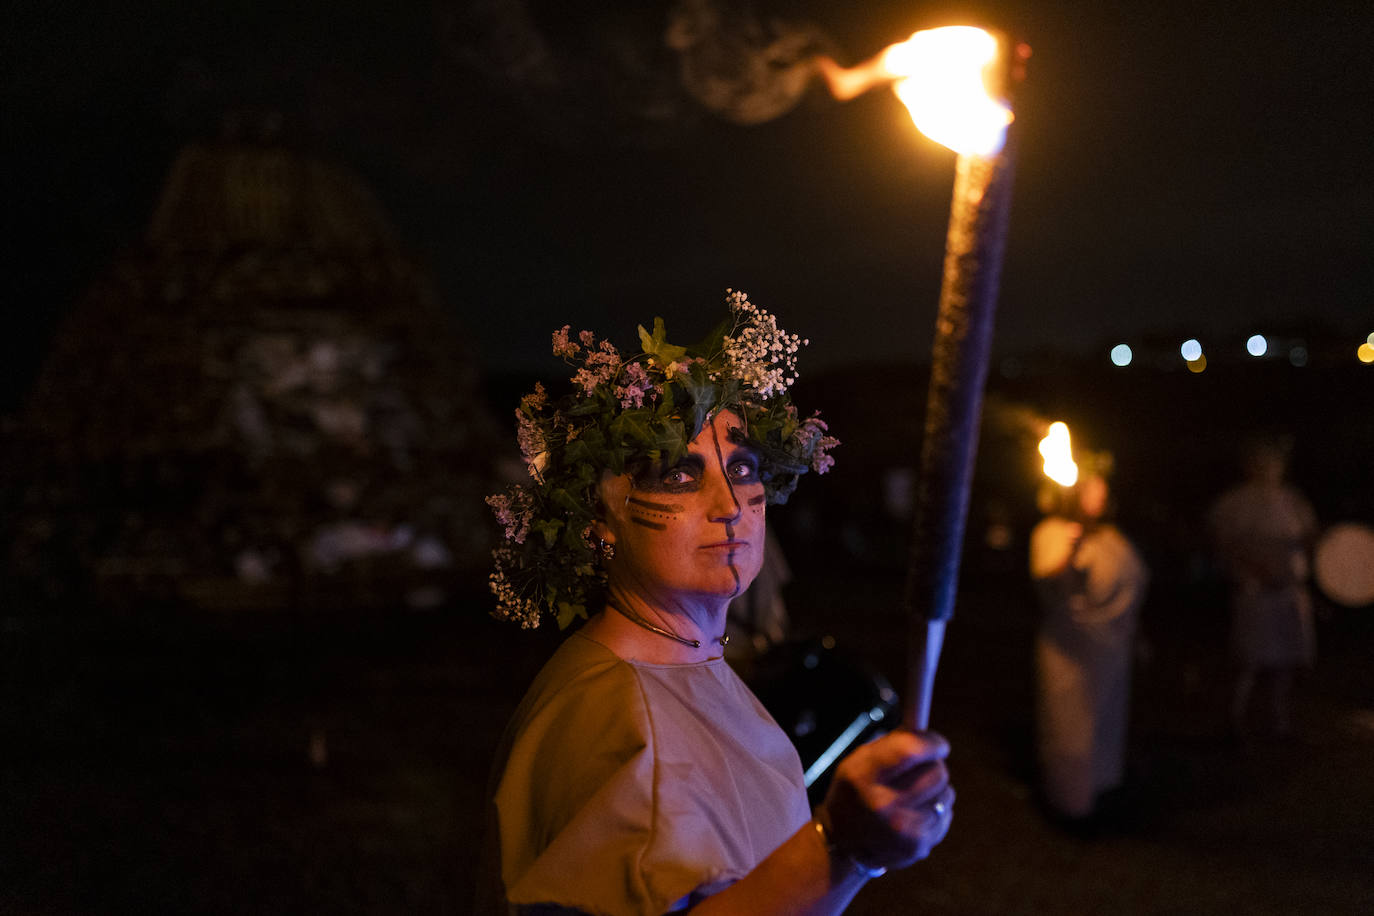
<point>1057,451</point>
<point>944,78</point>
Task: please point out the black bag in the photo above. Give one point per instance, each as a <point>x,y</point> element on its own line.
<point>826,701</point>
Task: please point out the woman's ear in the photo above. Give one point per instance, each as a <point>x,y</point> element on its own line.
<point>613,494</point>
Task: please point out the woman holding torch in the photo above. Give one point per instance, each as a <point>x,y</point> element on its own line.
<point>1090,582</point>
<point>639,775</point>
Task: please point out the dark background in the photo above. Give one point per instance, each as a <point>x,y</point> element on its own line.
<point>1184,171</point>
<point>1193,171</point>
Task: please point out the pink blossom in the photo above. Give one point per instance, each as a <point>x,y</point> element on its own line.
<point>599,367</point>
<point>528,436</point>
<point>536,399</point>
<point>815,445</point>
<point>634,385</point>
<point>562,346</point>
<point>513,515</point>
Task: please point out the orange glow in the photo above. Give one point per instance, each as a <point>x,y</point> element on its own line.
<point>1365,353</point>
<point>1197,365</point>
<point>1057,450</point>
<point>944,78</point>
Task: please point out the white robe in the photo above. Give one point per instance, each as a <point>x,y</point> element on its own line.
<point>632,788</point>
<point>1083,658</point>
<point>1262,533</point>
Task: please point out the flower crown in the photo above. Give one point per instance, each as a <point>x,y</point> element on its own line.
<point>644,408</point>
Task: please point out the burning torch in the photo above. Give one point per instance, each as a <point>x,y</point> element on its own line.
<point>955,82</point>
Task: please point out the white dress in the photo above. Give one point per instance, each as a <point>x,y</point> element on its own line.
<point>633,788</point>
<point>1262,532</point>
<point>1083,658</point>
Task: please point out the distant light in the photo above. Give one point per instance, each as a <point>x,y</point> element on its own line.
<point>1366,352</point>
<point>1121,355</point>
<point>1298,356</point>
<point>1199,364</point>
<point>1191,350</point>
<point>1370,339</point>
<point>1257,345</point>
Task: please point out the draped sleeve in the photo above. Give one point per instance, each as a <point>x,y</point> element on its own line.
<point>623,794</point>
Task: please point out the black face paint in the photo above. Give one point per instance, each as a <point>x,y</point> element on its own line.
<point>652,514</point>
<point>720,460</point>
<point>649,478</point>
<point>651,506</point>
<point>729,525</point>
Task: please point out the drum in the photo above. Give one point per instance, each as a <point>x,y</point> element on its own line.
<point>1343,564</point>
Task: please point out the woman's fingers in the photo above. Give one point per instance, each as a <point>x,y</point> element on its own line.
<point>911,764</point>
<point>902,750</point>
<point>891,801</point>
<point>921,828</point>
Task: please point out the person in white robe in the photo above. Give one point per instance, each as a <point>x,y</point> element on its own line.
<point>639,775</point>
<point>1263,530</point>
<point>1091,582</point>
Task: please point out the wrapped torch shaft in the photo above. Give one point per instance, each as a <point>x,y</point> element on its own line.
<point>959,365</point>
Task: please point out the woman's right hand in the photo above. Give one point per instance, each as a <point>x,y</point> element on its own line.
<point>890,802</point>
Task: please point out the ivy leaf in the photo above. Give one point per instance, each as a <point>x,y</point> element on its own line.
<point>571,506</point>
<point>548,528</point>
<point>702,392</point>
<point>567,612</point>
<point>576,452</point>
<point>657,346</point>
<point>713,342</point>
<point>633,427</point>
<point>573,541</point>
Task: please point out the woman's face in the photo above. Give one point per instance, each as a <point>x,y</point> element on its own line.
<point>696,527</point>
<point>1092,496</point>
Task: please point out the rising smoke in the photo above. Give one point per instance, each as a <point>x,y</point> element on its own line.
<point>638,71</point>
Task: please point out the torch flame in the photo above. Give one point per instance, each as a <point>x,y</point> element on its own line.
<point>1058,455</point>
<point>942,77</point>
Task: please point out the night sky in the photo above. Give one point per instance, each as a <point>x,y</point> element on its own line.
<point>1183,167</point>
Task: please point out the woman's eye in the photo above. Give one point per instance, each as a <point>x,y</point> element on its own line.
<point>678,476</point>
<point>744,470</point>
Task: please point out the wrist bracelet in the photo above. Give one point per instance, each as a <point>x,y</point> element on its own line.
<point>859,868</point>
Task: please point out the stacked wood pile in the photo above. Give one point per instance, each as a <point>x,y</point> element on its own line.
<point>262,404</point>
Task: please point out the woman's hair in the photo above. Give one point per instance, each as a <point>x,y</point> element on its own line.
<point>624,412</point>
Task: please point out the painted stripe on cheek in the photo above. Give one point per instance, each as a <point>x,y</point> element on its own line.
<point>657,526</point>
<point>672,508</point>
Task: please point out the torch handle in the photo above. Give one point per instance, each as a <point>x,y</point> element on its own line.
<point>925,659</point>
<point>963,338</point>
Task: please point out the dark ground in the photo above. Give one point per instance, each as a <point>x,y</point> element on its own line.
<point>163,764</point>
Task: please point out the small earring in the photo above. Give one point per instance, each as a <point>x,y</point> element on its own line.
<point>605,550</point>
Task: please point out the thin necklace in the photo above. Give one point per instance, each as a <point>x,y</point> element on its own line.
<point>635,618</point>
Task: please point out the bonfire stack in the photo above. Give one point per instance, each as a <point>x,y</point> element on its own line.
<point>263,404</point>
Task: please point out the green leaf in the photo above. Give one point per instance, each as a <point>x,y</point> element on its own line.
<point>548,528</point>
<point>571,506</point>
<point>703,394</point>
<point>567,612</point>
<point>577,451</point>
<point>634,428</point>
<point>572,540</point>
<point>713,342</point>
<point>656,345</point>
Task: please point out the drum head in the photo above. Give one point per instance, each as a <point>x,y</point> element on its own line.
<point>1344,564</point>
